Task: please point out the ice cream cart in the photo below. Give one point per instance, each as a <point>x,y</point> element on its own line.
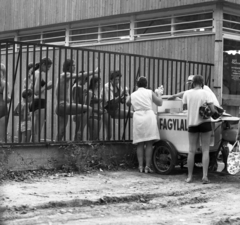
<point>173,147</point>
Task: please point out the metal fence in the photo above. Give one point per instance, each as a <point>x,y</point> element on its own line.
<point>47,99</point>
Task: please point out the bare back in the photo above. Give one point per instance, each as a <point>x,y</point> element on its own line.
<point>62,89</point>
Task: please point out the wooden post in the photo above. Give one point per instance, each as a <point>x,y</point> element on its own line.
<point>218,50</point>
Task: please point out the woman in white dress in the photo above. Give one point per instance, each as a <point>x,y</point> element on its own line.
<point>145,129</point>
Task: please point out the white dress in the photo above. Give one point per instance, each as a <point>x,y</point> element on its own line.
<point>144,119</point>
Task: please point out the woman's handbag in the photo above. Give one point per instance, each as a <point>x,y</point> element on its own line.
<point>233,160</point>
<point>205,111</point>
<point>218,112</point>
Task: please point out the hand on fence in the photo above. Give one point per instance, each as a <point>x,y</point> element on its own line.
<point>49,85</point>
<point>97,70</point>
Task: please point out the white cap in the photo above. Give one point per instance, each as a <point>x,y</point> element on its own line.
<point>190,78</point>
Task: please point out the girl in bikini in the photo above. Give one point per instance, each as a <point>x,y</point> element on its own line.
<point>38,105</point>
<point>94,100</point>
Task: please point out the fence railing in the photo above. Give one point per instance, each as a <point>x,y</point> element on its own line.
<point>52,93</point>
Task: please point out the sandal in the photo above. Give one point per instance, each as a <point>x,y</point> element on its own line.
<point>140,169</point>
<point>205,181</point>
<point>148,169</point>
<point>188,180</point>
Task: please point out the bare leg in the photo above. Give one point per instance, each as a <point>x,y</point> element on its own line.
<point>206,138</point>
<point>148,153</point>
<point>62,123</point>
<point>140,148</point>
<point>29,134</point>
<point>2,130</point>
<point>94,129</point>
<point>38,114</point>
<point>193,144</point>
<point>81,121</point>
<point>108,126</point>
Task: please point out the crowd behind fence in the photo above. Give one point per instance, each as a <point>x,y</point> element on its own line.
<point>52,93</point>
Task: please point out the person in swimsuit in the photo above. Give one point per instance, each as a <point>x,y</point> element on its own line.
<point>38,105</point>
<point>78,95</point>
<point>112,95</point>
<point>25,119</point>
<point>64,107</point>
<point>4,100</point>
<point>94,100</point>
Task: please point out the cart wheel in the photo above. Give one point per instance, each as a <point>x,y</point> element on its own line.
<point>164,157</point>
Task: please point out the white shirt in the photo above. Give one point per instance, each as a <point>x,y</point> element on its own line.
<point>108,87</point>
<point>195,98</point>
<point>214,98</point>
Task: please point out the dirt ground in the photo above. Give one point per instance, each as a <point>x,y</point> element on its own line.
<point>121,197</point>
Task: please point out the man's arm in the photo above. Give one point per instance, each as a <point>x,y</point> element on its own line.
<point>179,95</point>
<point>128,102</point>
<point>81,75</point>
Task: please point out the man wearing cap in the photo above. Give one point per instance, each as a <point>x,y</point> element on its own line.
<point>205,87</point>
<point>113,94</point>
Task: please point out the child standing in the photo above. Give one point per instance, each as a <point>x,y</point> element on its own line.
<point>25,118</point>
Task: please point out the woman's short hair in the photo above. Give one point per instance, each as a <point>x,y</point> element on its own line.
<point>93,82</point>
<point>31,67</point>
<point>67,65</point>
<point>46,61</point>
<point>115,74</point>
<point>142,82</point>
<point>198,80</point>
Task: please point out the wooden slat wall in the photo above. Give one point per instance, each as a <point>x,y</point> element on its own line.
<point>198,48</point>
<point>21,14</point>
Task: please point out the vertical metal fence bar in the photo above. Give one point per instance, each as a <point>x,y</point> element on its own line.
<point>172,77</point>
<point>45,93</point>
<point>154,75</point>
<point>176,77</point>
<point>39,97</point>
<point>189,68</point>
<point>84,98</point>
<point>6,92</point>
<point>119,103</point>
<point>20,91</point>
<point>114,90</point>
<point>205,73</point>
<point>13,91</point>
<point>70,97</point>
<point>91,116</point>
<point>52,100</point>
<point>103,94</point>
<point>76,99</point>
<point>109,130</point>
<point>65,96</point>
<point>185,71</point>
<point>33,90</point>
<point>88,56</point>
<point>163,80</point>
<point>124,104</point>
<point>99,103</point>
<point>130,85</point>
<point>27,103</point>
<point>58,94</point>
